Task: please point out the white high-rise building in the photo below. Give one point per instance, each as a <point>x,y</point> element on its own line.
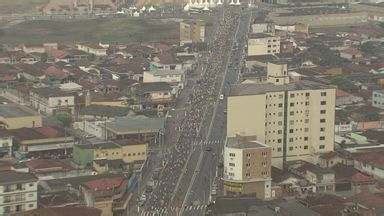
<point>295,119</point>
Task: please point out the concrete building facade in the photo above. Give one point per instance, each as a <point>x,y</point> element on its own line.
<point>295,119</point>
<point>18,192</point>
<point>192,32</point>
<point>247,167</point>
<point>378,99</point>
<point>263,44</point>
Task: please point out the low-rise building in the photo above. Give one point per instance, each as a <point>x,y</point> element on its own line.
<point>192,32</point>
<point>378,99</point>
<point>128,150</point>
<point>344,98</point>
<point>42,141</point>
<point>155,95</point>
<point>52,100</point>
<point>18,192</point>
<point>15,116</point>
<point>176,78</point>
<point>95,49</point>
<point>263,44</point>
<point>371,162</point>
<point>6,143</point>
<point>247,167</point>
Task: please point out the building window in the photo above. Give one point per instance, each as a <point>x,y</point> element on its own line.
<point>247,174</point>
<point>322,129</point>
<point>323,103</point>
<point>280,105</point>
<point>307,103</point>
<point>278,140</point>
<point>231,164</point>
<point>305,138</point>
<point>19,187</point>
<point>323,94</point>
<point>322,120</point>
<point>290,139</point>
<point>281,96</point>
<point>321,146</point>
<point>290,130</point>
<point>291,148</point>
<point>306,120</point>
<point>280,114</point>
<point>279,131</point>
<point>323,111</point>
<point>279,149</point>
<point>322,138</point>
<point>291,113</point>
<point>264,153</point>
<point>307,94</point>
<point>31,205</point>
<point>306,147</point>
<point>292,104</point>
<point>264,164</point>
<point>292,95</point>
<point>306,129</point>
<point>247,164</point>
<point>248,154</point>
<point>231,174</point>
<point>31,184</point>
<point>231,154</point>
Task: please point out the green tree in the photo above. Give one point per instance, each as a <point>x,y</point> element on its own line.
<point>63,118</point>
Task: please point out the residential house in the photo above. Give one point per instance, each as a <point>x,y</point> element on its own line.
<point>107,194</point>
<point>95,49</point>
<point>378,99</point>
<point>69,56</point>
<point>14,116</point>
<point>165,61</point>
<point>263,44</point>
<point>6,144</point>
<point>344,98</point>
<point>154,95</point>
<point>176,78</point>
<point>50,101</point>
<point>18,192</point>
<point>54,168</point>
<point>130,151</point>
<point>14,57</point>
<point>32,72</point>
<point>192,32</point>
<point>42,141</point>
<point>323,179</point>
<point>371,163</point>
<point>138,127</point>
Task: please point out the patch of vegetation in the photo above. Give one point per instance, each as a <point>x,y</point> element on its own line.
<point>373,48</point>
<point>321,55</point>
<point>344,84</point>
<point>124,30</point>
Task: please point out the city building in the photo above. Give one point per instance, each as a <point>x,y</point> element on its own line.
<point>95,49</point>
<point>6,143</point>
<point>247,167</point>
<point>18,192</point>
<point>15,116</point>
<point>154,95</point>
<point>295,119</point>
<point>176,78</point>
<point>192,32</point>
<point>127,150</point>
<point>41,141</point>
<point>50,101</point>
<point>263,44</point>
<point>378,99</point>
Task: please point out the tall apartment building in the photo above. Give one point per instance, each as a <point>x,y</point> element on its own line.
<point>192,32</point>
<point>18,192</point>
<point>247,167</point>
<point>263,44</point>
<point>295,119</point>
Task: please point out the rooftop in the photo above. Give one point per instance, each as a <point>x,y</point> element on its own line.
<point>256,89</point>
<point>35,133</point>
<point>235,142</point>
<point>136,124</point>
<point>13,177</point>
<point>165,72</point>
<point>103,145</point>
<point>259,35</point>
<point>105,183</point>
<point>63,211</point>
<point>47,92</point>
<point>15,111</point>
<point>153,87</point>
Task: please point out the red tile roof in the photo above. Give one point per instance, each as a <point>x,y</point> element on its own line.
<point>47,165</point>
<point>373,158</point>
<point>105,183</point>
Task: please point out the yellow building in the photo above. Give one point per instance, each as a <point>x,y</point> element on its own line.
<point>263,44</point>
<point>14,117</point>
<point>192,32</point>
<point>295,119</point>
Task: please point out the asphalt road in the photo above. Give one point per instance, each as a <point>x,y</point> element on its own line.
<point>207,172</point>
